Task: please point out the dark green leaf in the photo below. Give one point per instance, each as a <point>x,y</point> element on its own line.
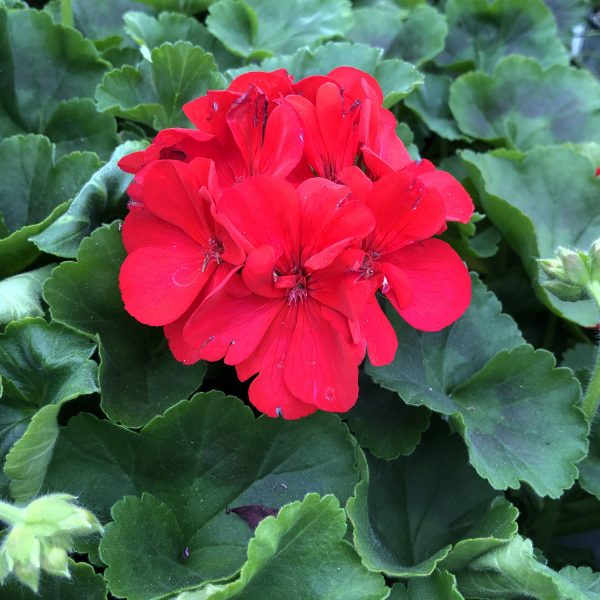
<point>21,295</point>
<point>430,103</point>
<point>440,585</point>
<point>479,371</point>
<point>521,105</point>
<point>102,196</point>
<point>41,65</point>
<point>414,509</point>
<point>201,457</point>
<point>382,423</point>
<point>569,14</point>
<point>189,7</point>
<point>84,584</point>
<point>32,187</point>
<point>154,92</point>
<point>261,28</point>
<point>511,185</point>
<point>139,378</point>
<point>581,359</point>
<point>482,32</point>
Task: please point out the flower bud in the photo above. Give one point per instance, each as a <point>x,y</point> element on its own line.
<point>41,535</point>
<point>576,265</point>
<point>565,291</point>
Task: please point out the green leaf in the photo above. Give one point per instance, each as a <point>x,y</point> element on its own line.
<point>46,363</point>
<point>430,103</point>
<point>200,458</point>
<point>20,295</point>
<point>440,585</point>
<point>511,185</point>
<point>303,545</point>
<point>415,36</point>
<point>188,7</point>
<point>41,65</point>
<point>83,584</point>
<point>154,92</point>
<point>513,571</point>
<point>397,78</point>
<point>479,371</point>
<point>382,423</point>
<point>481,33</point>
<point>522,105</point>
<point>28,459</point>
<point>32,187</point>
<point>139,378</point>
<point>99,199</point>
<point>589,468</point>
<point>412,510</point>
<point>568,14</point>
<point>260,28</point>
<point>581,359</point>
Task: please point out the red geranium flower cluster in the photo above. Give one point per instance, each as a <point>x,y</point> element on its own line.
<point>263,236</point>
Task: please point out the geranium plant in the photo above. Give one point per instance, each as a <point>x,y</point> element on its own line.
<point>299,299</point>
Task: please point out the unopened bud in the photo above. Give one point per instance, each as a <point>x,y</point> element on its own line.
<point>565,291</point>
<point>576,265</point>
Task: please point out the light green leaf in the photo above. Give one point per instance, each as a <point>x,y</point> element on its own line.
<point>21,295</point>
<point>416,36</point>
<point>202,457</point>
<point>521,105</point>
<point>189,7</point>
<point>525,196</point>
<point>430,103</point>
<point>382,423</point>
<point>260,28</point>
<point>413,510</point>
<point>396,78</point>
<point>102,197</point>
<point>481,33</point>
<point>479,371</point>
<point>43,64</point>
<point>33,189</point>
<point>154,92</point>
<point>28,459</point>
<point>83,584</point>
<point>139,378</point>
<point>440,585</point>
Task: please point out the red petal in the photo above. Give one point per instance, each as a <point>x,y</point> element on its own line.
<point>208,112</point>
<point>353,82</point>
<point>309,86</point>
<point>320,367</point>
<point>258,272</point>
<point>275,84</point>
<point>396,285</point>
<point>440,283</point>
<point>141,228</point>
<point>357,181</point>
<point>159,283</point>
<point>380,336</point>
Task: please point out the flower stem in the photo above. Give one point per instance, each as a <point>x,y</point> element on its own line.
<point>66,13</point>
<point>10,514</point>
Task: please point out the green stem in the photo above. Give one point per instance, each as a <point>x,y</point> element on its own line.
<point>591,398</point>
<point>66,13</point>
<point>10,514</point>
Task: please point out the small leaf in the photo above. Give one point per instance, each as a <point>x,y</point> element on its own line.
<point>139,378</point>
<point>154,92</point>
<point>482,32</point>
<point>21,295</point>
<point>382,423</point>
<point>101,197</point>
<point>261,28</point>
<point>511,184</point>
<point>32,187</point>
<point>303,547</point>
<point>404,526</point>
<point>496,387</point>
<point>201,457</point>
<point>521,105</point>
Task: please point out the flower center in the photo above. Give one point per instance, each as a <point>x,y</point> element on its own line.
<point>295,284</point>
<point>366,269</point>
<point>213,253</point>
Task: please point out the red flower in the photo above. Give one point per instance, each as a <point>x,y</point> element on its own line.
<point>286,316</point>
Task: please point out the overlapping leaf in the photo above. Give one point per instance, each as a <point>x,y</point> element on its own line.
<point>440,585</point>
<point>139,378</point>
<point>21,295</point>
<point>200,458</point>
<point>538,207</point>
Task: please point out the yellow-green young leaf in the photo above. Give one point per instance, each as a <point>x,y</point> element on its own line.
<point>139,378</point>
<point>34,189</point>
<point>154,92</point>
<point>521,105</point>
<point>302,547</point>
<point>494,387</point>
<point>511,184</point>
<point>482,32</point>
<point>259,28</point>
<point>201,458</point>
<point>416,511</point>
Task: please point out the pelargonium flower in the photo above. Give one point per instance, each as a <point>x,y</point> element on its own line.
<point>269,235</point>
